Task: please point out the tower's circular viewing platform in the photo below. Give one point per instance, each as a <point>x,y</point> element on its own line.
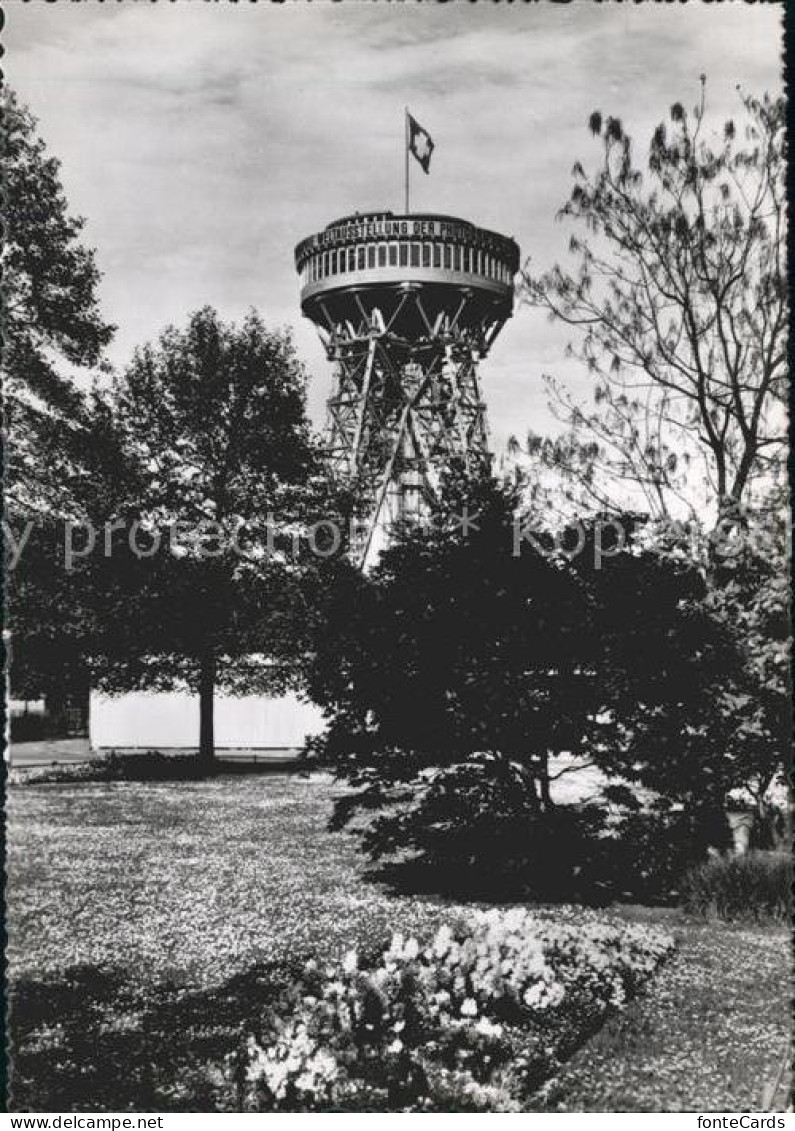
<point>378,254</point>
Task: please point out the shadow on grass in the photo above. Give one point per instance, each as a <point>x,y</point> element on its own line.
<point>542,885</point>
<point>97,1040</point>
<point>155,766</point>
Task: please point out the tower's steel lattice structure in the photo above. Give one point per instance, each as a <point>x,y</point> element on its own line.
<point>406,307</point>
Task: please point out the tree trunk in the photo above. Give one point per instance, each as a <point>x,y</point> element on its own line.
<point>546,799</point>
<point>720,550</point>
<point>55,712</point>
<point>206,711</point>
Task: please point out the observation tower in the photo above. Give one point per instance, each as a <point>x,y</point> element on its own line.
<point>406,307</point>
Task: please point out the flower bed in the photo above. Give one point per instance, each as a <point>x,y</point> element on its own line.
<point>473,1021</point>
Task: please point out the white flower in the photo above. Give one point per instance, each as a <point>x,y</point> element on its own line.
<point>543,995</point>
<point>442,941</point>
<point>396,946</point>
<point>501,959</point>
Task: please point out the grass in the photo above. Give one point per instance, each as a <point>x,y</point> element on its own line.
<point>709,1033</point>
<point>193,880</point>
<point>149,923</point>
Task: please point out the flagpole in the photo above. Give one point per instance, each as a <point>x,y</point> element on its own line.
<point>406,149</point>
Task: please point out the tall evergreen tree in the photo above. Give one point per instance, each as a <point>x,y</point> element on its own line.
<point>53,334</point>
<point>53,326</point>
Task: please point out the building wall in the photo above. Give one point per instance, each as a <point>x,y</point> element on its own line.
<point>170,720</point>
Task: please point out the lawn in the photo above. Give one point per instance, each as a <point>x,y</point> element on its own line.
<point>709,1034</point>
<point>149,923</point>
<point>195,881</point>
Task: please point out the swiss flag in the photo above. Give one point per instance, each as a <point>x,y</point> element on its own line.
<point>420,143</point>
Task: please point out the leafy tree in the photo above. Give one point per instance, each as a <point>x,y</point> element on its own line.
<point>741,593</point>
<point>430,659</point>
<point>61,609</point>
<point>677,699</point>
<point>750,599</point>
<point>680,292</point>
<point>48,628</point>
<point>454,674</point>
<point>228,477</point>
<point>53,333</point>
<point>53,327</point>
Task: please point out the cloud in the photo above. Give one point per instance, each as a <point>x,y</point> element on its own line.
<point>202,141</point>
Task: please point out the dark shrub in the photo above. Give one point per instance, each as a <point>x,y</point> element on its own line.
<point>651,851</point>
<point>151,766</point>
<point>757,885</point>
<point>479,826</point>
<point>30,728</point>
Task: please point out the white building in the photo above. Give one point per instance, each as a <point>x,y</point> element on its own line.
<point>170,721</point>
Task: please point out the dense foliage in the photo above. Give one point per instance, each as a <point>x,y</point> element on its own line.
<point>469,661</point>
<point>210,581</point>
<point>60,609</point>
<point>428,659</point>
<point>52,328</point>
<point>675,288</point>
<point>54,337</point>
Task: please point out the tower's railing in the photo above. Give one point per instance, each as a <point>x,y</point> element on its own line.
<point>382,247</point>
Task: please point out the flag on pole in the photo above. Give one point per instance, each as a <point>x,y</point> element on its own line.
<point>420,142</point>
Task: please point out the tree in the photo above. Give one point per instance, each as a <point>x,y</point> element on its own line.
<point>750,599</point>
<point>676,696</point>
<point>680,293</point>
<point>60,611</point>
<point>479,650</point>
<point>53,333</point>
<point>215,415</point>
<point>47,625</point>
<point>53,325</point>
<point>431,658</point>
<point>679,290</point>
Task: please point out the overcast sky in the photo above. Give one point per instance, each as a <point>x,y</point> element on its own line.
<point>202,141</point>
